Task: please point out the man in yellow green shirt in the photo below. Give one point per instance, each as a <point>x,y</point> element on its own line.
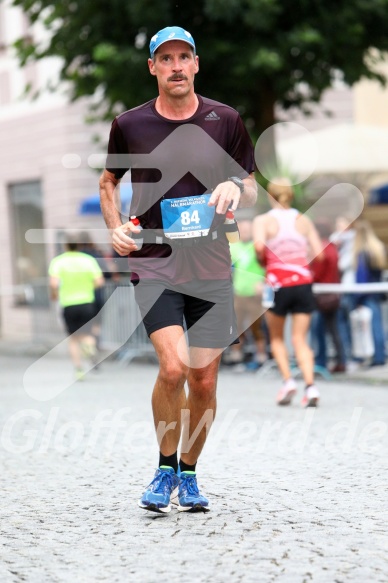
<point>73,278</point>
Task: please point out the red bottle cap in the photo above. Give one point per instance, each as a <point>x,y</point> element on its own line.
<point>229,214</point>
<point>135,221</point>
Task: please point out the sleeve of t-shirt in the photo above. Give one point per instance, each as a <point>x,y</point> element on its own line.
<point>241,148</point>
<point>116,146</point>
<point>53,270</point>
<point>95,268</point>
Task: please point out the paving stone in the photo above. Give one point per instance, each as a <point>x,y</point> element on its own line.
<point>297,496</point>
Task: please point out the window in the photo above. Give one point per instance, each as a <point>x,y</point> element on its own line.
<point>5,88</point>
<point>29,259</point>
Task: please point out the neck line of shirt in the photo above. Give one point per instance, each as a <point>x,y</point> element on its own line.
<point>178,121</point>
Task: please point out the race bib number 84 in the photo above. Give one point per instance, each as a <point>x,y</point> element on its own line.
<point>186,217</point>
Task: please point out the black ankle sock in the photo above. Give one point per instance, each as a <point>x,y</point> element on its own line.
<point>187,467</point>
<point>169,460</point>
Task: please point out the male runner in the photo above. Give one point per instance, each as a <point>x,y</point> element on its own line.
<point>190,159</point>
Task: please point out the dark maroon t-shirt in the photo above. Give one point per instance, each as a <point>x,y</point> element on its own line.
<point>174,159</point>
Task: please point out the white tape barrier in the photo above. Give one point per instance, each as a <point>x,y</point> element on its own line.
<point>351,288</point>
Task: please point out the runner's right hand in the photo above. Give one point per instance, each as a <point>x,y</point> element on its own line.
<point>121,239</point>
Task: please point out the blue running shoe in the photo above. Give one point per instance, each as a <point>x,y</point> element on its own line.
<point>190,500</point>
<point>157,495</point>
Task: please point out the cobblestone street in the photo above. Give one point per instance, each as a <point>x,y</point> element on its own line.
<point>296,495</point>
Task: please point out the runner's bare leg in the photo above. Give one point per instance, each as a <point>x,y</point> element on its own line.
<point>168,397</point>
<point>201,401</point>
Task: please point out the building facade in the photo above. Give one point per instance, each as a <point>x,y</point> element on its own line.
<point>44,176</point>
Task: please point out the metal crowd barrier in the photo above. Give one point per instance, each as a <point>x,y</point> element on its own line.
<point>46,322</point>
<point>121,326</point>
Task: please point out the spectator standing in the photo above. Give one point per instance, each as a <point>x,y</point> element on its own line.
<point>248,279</point>
<point>369,260</point>
<point>73,279</point>
<point>343,237</point>
<point>325,320</point>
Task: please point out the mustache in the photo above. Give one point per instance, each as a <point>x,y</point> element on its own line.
<point>177,77</point>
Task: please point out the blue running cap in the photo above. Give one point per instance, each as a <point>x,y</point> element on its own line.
<point>170,33</point>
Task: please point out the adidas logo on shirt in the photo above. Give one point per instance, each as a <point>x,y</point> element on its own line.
<point>212,116</point>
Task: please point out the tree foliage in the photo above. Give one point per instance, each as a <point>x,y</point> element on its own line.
<point>253,53</point>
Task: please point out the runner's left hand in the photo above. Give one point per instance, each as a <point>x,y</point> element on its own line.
<point>226,195</point>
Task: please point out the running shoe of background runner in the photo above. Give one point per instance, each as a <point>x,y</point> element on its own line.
<point>79,374</point>
<point>311,397</point>
<point>157,496</point>
<point>286,393</point>
<point>189,497</point>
